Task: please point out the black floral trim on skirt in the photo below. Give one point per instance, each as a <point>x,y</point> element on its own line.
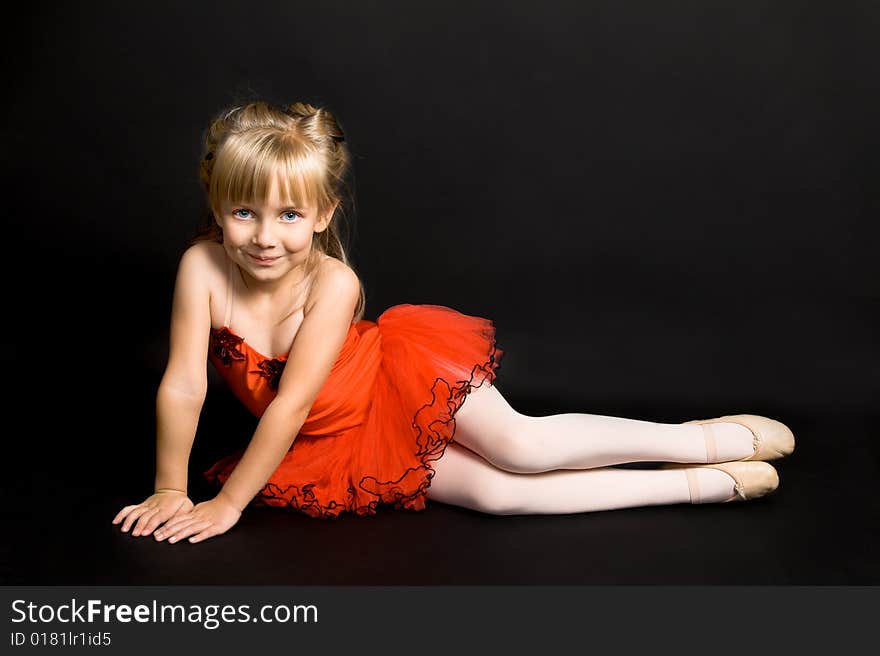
<point>433,437</point>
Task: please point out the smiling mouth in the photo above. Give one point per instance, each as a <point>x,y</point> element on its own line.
<point>262,260</point>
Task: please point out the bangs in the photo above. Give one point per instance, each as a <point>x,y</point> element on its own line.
<point>245,170</point>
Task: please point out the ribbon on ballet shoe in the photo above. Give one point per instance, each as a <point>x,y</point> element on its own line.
<point>693,485</point>
<point>711,448</point>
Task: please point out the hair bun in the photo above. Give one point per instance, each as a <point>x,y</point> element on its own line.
<point>301,110</point>
<point>326,119</point>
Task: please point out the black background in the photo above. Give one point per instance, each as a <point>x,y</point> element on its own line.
<point>668,209</point>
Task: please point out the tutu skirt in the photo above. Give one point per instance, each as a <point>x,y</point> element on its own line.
<point>386,412</point>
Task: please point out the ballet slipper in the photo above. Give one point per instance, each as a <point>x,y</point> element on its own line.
<point>771,439</point>
<point>753,479</point>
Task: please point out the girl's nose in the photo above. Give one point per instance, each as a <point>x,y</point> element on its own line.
<point>264,237</point>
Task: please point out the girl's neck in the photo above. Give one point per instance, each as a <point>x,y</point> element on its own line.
<point>272,292</point>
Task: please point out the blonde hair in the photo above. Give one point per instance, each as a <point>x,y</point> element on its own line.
<point>301,146</point>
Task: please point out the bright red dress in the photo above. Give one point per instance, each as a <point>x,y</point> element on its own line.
<point>386,411</point>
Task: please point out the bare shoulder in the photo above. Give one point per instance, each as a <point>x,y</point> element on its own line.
<point>334,280</point>
<point>206,259</point>
<point>190,322</point>
<point>209,253</point>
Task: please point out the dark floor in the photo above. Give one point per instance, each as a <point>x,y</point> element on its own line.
<point>820,527</point>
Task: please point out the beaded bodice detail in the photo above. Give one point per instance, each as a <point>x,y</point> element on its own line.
<point>228,347</point>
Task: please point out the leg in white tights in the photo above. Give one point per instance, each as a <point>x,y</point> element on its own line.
<point>509,463</point>
<point>464,478</point>
<point>488,426</point>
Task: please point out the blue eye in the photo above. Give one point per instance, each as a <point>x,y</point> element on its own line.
<point>294,215</point>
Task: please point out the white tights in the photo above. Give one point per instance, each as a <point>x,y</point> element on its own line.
<point>503,462</point>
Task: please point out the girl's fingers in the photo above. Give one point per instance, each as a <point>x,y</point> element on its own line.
<point>204,534</point>
<point>164,531</point>
<point>157,519</point>
<point>182,510</point>
<point>152,523</point>
<point>132,516</point>
<point>139,528</point>
<point>145,519</point>
<point>174,521</point>
<point>171,523</point>
<point>189,530</point>
<point>122,513</point>
<point>170,531</point>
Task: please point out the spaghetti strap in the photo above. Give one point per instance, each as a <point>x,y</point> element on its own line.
<point>228,296</point>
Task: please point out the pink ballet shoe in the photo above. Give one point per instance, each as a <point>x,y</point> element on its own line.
<point>753,479</point>
<point>772,439</point>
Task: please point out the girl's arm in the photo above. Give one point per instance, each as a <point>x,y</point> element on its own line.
<point>315,349</point>
<point>274,436</point>
<point>177,418</point>
<point>184,385</point>
<point>319,340</point>
<point>180,397</point>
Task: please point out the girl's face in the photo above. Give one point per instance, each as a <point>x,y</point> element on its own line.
<point>278,233</point>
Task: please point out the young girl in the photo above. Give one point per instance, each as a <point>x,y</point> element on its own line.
<point>355,414</point>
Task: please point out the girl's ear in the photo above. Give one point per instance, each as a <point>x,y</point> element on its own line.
<point>324,221</point>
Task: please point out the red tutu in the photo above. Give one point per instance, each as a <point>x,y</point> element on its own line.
<point>386,411</point>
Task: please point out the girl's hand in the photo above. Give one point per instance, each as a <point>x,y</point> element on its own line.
<point>157,508</point>
<point>206,520</point>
